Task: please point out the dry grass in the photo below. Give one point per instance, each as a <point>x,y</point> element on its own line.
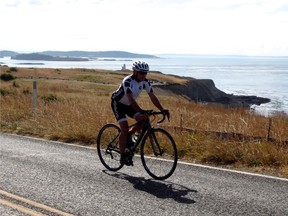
<point>74,111</point>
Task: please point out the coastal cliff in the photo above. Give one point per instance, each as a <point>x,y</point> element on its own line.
<point>198,90</point>
<point>204,90</point>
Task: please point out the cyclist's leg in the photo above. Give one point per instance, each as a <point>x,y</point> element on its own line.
<point>120,111</point>
<point>123,135</point>
<point>132,113</point>
<point>140,118</point>
<point>126,156</point>
<point>120,115</point>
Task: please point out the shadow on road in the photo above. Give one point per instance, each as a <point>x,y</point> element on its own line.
<point>160,189</point>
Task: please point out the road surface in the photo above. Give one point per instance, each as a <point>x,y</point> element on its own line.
<point>52,178</point>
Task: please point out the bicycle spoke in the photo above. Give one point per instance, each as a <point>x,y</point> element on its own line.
<point>108,147</point>
<point>159,154</point>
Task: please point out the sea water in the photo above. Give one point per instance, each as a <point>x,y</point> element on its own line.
<point>239,75</point>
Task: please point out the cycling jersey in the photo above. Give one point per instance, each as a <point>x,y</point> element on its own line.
<point>130,85</point>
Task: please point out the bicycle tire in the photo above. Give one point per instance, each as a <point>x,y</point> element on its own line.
<point>162,165</point>
<point>108,147</point>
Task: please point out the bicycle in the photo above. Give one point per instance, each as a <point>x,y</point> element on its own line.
<point>158,149</point>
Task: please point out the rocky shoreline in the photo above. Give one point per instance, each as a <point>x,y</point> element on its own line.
<point>205,91</point>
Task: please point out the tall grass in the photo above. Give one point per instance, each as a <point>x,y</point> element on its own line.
<point>79,109</point>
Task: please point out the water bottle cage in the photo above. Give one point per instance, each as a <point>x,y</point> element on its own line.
<point>135,137</point>
<point>129,142</point>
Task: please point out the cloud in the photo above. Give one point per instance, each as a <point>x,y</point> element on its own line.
<point>146,26</point>
<point>8,3</point>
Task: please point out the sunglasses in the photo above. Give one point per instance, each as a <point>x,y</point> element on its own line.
<point>142,73</point>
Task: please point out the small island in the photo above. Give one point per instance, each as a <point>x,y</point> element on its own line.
<point>43,57</point>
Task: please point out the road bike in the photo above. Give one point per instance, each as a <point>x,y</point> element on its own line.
<point>158,149</point>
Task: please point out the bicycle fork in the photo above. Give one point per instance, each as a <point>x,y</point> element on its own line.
<point>154,143</point>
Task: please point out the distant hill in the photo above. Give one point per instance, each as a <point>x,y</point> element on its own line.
<point>4,53</point>
<point>99,54</point>
<point>87,54</point>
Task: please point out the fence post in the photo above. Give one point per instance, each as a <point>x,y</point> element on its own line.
<point>34,97</point>
<point>181,121</point>
<point>269,128</point>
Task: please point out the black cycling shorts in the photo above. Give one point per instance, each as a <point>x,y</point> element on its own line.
<point>121,110</point>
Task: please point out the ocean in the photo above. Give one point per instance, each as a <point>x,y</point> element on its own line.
<point>239,75</point>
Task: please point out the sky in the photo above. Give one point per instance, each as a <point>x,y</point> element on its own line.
<point>221,27</point>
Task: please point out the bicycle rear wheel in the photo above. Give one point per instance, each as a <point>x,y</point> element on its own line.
<point>159,154</point>
<point>108,147</point>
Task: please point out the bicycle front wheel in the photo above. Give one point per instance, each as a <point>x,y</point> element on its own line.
<point>159,153</point>
<point>108,147</point>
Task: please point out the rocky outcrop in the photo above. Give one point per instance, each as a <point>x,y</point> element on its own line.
<point>204,90</point>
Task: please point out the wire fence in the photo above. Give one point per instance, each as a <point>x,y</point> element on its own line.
<point>230,135</point>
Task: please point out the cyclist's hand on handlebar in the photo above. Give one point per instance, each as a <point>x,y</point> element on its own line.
<point>166,113</point>
<point>146,112</point>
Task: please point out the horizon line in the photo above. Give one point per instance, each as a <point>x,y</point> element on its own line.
<point>155,54</point>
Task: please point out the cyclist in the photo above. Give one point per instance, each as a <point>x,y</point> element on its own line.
<point>124,103</point>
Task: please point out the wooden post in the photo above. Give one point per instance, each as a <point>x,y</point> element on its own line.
<point>34,97</point>
<point>269,128</point>
<point>181,121</point>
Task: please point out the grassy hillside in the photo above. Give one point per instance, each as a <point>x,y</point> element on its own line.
<point>73,104</point>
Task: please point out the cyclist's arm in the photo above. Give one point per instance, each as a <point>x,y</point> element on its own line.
<point>155,101</point>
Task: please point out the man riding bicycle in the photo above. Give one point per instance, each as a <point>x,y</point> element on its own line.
<point>124,103</point>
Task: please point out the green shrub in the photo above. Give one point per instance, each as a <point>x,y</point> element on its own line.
<point>7,77</point>
<point>49,98</point>
<point>4,92</point>
<point>13,69</point>
<point>15,84</point>
<point>26,91</point>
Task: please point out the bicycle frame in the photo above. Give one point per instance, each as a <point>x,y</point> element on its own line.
<point>147,126</point>
<point>154,143</point>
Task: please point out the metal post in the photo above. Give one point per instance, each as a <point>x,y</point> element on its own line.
<point>34,97</point>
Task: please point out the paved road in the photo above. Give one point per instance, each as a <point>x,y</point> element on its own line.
<point>63,178</point>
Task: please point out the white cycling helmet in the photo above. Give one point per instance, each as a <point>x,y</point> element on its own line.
<point>140,66</point>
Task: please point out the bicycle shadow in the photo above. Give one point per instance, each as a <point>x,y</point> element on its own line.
<point>160,189</point>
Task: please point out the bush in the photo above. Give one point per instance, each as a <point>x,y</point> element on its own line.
<point>15,84</point>
<point>26,91</point>
<point>7,77</point>
<point>49,98</point>
<point>4,92</point>
<point>13,69</point>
